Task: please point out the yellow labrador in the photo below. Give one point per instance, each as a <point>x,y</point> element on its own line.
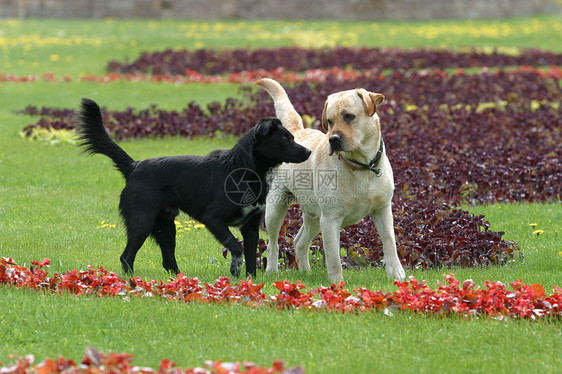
<point>347,177</point>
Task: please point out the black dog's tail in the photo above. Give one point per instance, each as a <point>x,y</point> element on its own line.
<point>93,137</point>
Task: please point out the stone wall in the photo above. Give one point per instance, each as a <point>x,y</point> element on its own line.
<point>375,10</point>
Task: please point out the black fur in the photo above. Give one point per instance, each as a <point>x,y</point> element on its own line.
<point>204,187</point>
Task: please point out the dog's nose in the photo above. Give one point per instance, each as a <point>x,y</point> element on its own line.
<point>335,141</point>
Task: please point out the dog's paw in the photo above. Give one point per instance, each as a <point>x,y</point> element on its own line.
<point>336,279</point>
<point>272,267</point>
<point>235,266</point>
<point>395,270</point>
<point>335,275</point>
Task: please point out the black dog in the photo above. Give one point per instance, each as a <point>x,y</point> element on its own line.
<point>225,188</point>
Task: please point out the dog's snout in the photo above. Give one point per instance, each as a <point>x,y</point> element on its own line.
<point>302,154</point>
<point>335,141</point>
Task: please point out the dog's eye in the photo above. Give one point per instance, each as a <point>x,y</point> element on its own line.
<point>286,139</point>
<point>330,122</point>
<point>348,117</point>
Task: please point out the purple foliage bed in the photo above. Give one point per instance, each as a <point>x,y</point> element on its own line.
<point>452,138</point>
<point>206,61</point>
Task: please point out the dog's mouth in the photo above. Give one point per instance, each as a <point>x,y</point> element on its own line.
<point>332,150</point>
<point>339,150</point>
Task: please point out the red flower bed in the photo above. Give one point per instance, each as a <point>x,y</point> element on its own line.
<point>246,76</point>
<point>95,362</point>
<point>451,298</point>
<point>192,76</point>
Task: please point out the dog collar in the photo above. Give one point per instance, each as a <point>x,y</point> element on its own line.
<point>372,166</point>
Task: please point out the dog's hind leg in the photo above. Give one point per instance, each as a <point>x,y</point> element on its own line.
<point>250,233</point>
<point>275,212</point>
<point>135,239</point>
<point>309,229</point>
<point>139,215</point>
<point>164,232</point>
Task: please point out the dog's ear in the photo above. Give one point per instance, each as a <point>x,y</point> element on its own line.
<point>266,125</point>
<point>324,119</point>
<point>371,100</point>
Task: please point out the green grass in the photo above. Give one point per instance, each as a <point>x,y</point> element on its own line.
<point>327,343</point>
<point>116,96</point>
<point>53,199</point>
<point>85,46</point>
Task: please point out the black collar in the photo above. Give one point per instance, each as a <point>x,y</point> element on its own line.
<point>372,166</point>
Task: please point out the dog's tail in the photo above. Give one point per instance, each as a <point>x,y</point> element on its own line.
<point>94,139</point>
<point>284,109</point>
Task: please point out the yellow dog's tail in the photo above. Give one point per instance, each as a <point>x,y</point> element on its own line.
<point>284,109</point>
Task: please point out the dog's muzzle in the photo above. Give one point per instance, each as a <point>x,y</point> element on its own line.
<point>336,143</point>
<point>299,154</point>
<point>304,154</point>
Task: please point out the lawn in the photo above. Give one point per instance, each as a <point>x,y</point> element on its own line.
<point>54,203</point>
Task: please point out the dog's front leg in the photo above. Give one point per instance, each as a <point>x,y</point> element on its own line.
<point>330,226</point>
<point>385,226</point>
<point>250,233</point>
<point>222,233</point>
